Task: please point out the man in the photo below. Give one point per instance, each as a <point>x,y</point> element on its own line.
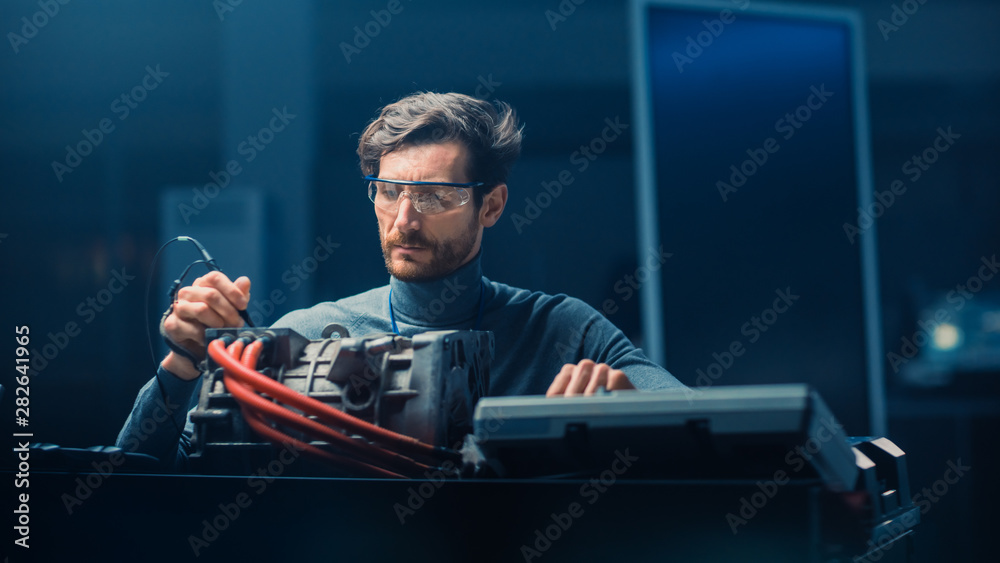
<point>436,167</point>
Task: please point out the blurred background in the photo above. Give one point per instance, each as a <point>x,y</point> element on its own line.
<point>124,124</point>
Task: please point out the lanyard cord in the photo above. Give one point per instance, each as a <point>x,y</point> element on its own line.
<point>479,316</point>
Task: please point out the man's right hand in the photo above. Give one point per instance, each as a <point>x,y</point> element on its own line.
<point>212,301</point>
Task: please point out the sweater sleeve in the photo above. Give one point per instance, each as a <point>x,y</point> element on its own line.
<point>159,424</point>
<point>600,340</point>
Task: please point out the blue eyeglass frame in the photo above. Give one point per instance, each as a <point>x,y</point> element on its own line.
<point>371,178</point>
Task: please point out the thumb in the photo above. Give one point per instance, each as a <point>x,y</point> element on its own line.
<point>243,284</point>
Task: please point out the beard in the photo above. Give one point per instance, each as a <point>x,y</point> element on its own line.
<point>445,256</point>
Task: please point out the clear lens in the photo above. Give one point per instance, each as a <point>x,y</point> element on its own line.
<point>427,199</point>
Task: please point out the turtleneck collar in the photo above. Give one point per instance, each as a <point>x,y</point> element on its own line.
<point>444,302</point>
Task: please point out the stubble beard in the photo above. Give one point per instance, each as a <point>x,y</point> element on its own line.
<point>446,256</point>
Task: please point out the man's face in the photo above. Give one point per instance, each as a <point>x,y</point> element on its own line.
<point>421,247</point>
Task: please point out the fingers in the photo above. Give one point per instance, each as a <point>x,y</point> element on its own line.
<point>225,299</point>
<point>559,384</point>
<point>618,381</point>
<point>190,335</point>
<point>584,374</point>
<point>212,301</point>
<point>237,293</point>
<point>585,378</point>
<point>243,284</point>
<point>573,379</point>
<point>207,306</point>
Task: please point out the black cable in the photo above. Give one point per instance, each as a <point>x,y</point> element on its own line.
<point>149,286</point>
<point>149,337</point>
<point>174,287</point>
<point>209,263</point>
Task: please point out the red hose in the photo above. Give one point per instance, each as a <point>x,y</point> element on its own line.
<point>236,348</point>
<point>258,425</point>
<point>264,384</point>
<point>256,403</point>
<point>257,422</point>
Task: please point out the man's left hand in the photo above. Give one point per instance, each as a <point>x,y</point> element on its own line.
<point>585,377</point>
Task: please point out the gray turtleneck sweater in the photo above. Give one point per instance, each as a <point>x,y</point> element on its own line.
<point>535,335</point>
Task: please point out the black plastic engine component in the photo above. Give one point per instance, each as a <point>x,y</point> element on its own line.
<point>425,387</point>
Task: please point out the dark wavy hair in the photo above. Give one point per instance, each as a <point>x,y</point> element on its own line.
<point>491,133</point>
